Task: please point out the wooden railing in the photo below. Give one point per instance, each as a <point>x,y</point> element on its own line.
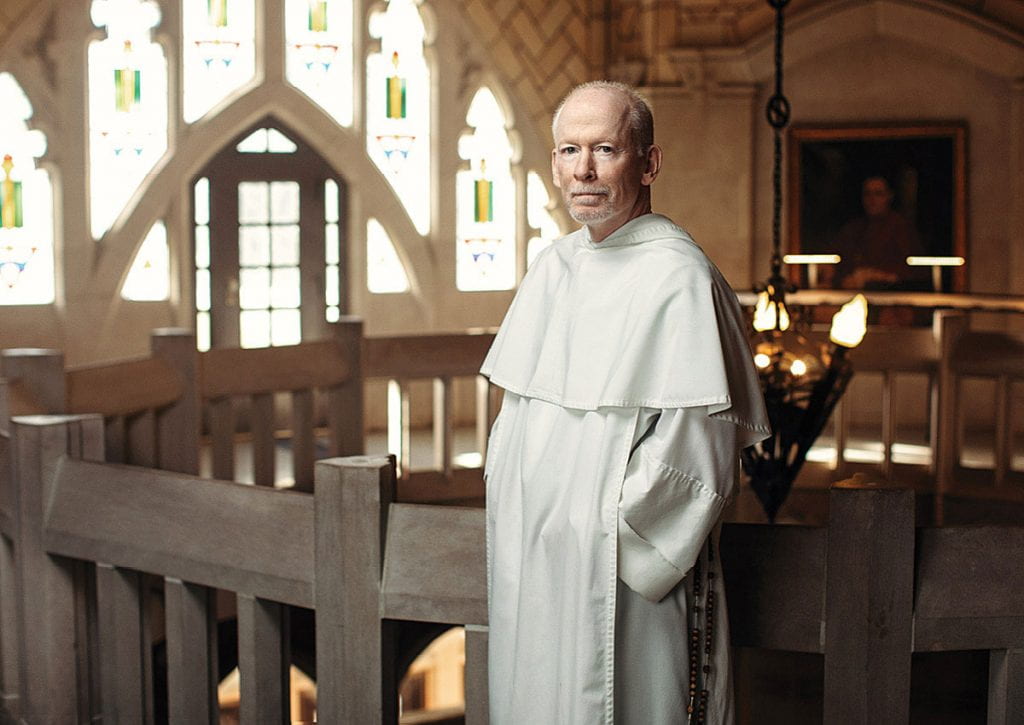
<point>865,592</point>
<point>153,406</point>
<point>440,359</point>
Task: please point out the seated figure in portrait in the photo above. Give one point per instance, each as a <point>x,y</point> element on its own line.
<point>875,246</point>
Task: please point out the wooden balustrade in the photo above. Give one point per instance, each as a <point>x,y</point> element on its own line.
<point>865,592</point>
<point>152,406</point>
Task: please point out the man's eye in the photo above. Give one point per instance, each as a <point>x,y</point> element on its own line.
<point>604,149</point>
<point>569,150</point>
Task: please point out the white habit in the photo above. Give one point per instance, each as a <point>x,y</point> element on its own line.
<point>629,391</point>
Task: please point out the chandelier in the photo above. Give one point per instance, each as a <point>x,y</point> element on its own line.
<point>802,381</point>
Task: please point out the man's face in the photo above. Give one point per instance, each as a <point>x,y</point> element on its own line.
<point>596,165</point>
<point>876,196</point>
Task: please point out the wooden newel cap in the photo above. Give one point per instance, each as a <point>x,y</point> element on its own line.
<point>860,482</point>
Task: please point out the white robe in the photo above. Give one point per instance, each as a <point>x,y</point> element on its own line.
<point>628,393</point>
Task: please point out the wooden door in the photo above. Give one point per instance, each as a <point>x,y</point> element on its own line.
<point>269,243</point>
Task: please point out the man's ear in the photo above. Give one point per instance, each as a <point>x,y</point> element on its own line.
<point>652,165</point>
<point>554,169</point>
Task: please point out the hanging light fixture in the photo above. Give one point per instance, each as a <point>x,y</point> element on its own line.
<point>802,380</point>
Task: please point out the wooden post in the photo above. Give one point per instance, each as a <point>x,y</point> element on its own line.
<point>356,677</point>
<point>40,375</point>
<point>126,690</point>
<point>177,425</point>
<point>345,402</point>
<point>476,675</point>
<point>263,661</point>
<point>8,600</point>
<point>1006,687</point>
<point>45,584</point>
<point>191,653</point>
<point>948,326</point>
<point>303,440</point>
<point>868,603</point>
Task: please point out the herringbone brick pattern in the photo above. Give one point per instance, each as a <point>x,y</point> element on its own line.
<point>541,47</point>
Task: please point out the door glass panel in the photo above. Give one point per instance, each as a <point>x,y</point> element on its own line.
<point>285,327</point>
<point>268,256</point>
<point>285,244</point>
<point>284,202</point>
<point>253,202</point>
<point>254,328</point>
<point>253,246</point>
<point>254,288</point>
<point>284,287</point>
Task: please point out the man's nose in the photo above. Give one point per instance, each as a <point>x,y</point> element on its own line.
<point>584,169</point>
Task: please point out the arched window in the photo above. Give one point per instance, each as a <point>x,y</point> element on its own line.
<point>398,107</point>
<point>218,51</point>
<point>318,53</point>
<point>486,201</point>
<point>26,204</point>
<point>384,271</point>
<point>538,215</point>
<point>149,277</point>
<point>127,105</point>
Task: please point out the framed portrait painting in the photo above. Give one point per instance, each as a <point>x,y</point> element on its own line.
<point>874,196</point>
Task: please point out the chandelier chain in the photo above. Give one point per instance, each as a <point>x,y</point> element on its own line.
<point>777,111</point>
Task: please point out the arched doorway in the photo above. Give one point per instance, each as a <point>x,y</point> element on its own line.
<point>269,241</point>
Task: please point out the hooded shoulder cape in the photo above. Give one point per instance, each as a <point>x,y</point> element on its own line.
<point>640,319</point>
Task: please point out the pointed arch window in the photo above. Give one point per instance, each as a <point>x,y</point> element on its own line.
<point>485,201</point>
<point>398,107</point>
<point>385,273</point>
<point>538,216</point>
<point>218,51</point>
<point>26,204</point>
<point>127,105</point>
<point>149,278</point>
<point>318,53</point>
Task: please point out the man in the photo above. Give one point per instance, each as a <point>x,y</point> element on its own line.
<point>875,246</point>
<point>629,392</point>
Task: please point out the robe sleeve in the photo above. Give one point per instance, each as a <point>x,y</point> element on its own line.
<point>677,482</point>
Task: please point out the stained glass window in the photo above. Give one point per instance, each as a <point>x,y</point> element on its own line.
<point>398,107</point>
<point>218,51</point>
<point>384,271</point>
<point>201,219</point>
<point>127,105</point>
<point>149,276</point>
<point>318,37</point>
<point>538,216</point>
<point>485,199</point>
<point>26,204</point>
<point>332,251</point>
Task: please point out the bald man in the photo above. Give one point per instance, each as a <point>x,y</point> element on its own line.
<point>629,392</point>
